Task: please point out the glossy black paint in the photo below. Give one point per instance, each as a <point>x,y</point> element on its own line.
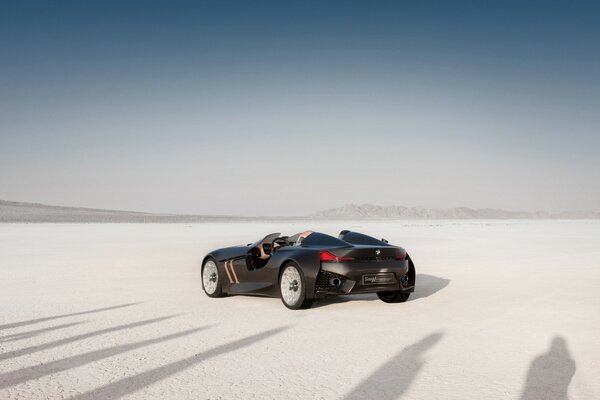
<point>377,257</point>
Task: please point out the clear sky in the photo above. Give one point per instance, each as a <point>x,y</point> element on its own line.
<point>286,108</point>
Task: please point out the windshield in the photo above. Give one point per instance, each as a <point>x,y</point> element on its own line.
<point>267,239</point>
<point>321,239</point>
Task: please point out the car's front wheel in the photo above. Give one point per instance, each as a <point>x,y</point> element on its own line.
<point>393,297</point>
<point>211,280</point>
<point>292,288</point>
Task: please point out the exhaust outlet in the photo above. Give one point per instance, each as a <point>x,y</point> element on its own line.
<point>335,281</point>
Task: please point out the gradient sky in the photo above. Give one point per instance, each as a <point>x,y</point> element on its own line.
<point>286,108</point>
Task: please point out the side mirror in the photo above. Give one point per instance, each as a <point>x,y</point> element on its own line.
<point>384,241</point>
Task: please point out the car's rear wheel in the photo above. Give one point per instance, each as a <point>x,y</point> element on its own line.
<point>211,279</point>
<point>393,297</point>
<point>292,288</point>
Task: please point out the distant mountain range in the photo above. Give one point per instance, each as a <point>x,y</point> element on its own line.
<point>368,211</point>
<point>13,211</point>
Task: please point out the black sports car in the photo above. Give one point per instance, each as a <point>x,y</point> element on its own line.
<point>308,266</point>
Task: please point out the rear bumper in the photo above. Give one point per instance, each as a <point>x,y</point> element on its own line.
<point>370,277</point>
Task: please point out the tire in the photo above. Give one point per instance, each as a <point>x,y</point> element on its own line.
<point>211,279</point>
<point>292,288</point>
<point>393,297</point>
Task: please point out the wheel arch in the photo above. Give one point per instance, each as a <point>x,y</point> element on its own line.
<point>412,272</point>
<point>220,268</point>
<point>309,264</point>
<point>308,298</point>
<point>206,257</point>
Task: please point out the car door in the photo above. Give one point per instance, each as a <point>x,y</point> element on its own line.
<point>251,276</point>
<point>248,280</point>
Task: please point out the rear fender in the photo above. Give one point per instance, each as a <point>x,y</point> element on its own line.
<point>309,263</point>
<point>412,273</point>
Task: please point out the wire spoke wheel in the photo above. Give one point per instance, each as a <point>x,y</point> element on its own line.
<point>210,277</point>
<point>291,286</point>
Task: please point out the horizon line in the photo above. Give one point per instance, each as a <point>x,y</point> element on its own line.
<point>313,214</point>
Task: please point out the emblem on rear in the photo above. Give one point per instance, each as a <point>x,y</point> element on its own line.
<point>377,252</point>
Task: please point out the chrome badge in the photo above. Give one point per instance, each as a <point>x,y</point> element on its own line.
<point>377,252</point>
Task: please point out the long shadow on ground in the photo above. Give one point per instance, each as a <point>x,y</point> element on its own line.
<point>550,373</point>
<point>394,377</point>
<point>30,334</point>
<point>60,342</point>
<point>38,320</point>
<point>137,382</point>
<point>26,374</point>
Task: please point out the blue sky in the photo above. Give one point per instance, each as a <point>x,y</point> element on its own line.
<point>278,108</point>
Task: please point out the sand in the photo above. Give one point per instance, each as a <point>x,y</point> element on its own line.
<point>502,310</point>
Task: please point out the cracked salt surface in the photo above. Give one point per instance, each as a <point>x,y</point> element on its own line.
<point>503,310</point>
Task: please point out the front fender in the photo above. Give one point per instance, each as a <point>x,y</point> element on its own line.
<point>228,252</point>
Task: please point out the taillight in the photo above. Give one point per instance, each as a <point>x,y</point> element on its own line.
<point>401,257</point>
<point>328,257</point>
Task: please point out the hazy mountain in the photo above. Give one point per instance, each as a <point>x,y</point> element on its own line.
<point>13,211</point>
<point>401,212</point>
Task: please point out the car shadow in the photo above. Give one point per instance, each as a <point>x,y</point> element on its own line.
<point>392,379</point>
<point>550,373</point>
<point>327,301</point>
<point>427,285</point>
